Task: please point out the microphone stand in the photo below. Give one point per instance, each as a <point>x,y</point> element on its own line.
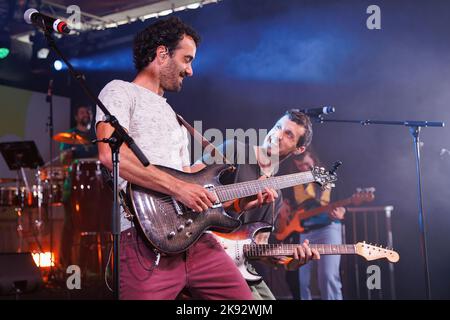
<point>118,137</point>
<point>50,129</point>
<point>414,129</point>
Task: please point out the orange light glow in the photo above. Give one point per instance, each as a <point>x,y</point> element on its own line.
<point>29,198</point>
<point>43,260</point>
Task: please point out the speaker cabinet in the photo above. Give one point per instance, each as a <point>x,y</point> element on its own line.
<point>18,273</point>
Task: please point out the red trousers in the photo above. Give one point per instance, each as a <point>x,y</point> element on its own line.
<point>205,270</point>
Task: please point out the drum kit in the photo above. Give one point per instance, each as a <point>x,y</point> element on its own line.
<point>78,186</point>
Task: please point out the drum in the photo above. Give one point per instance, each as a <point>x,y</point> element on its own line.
<point>50,194</point>
<point>54,195</point>
<point>59,173</point>
<point>18,197</point>
<point>90,198</point>
<point>29,211</point>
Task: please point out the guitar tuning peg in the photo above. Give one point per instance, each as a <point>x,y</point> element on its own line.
<point>336,165</point>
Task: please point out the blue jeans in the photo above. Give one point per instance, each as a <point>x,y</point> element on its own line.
<point>328,266</point>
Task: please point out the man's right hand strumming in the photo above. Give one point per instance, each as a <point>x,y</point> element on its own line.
<point>195,196</point>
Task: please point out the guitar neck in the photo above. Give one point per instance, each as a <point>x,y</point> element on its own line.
<point>327,208</point>
<point>250,188</point>
<point>270,250</point>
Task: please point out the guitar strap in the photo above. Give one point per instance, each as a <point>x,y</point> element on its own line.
<point>202,140</point>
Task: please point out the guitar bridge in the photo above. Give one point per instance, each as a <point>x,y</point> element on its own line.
<point>211,188</point>
<point>180,208</point>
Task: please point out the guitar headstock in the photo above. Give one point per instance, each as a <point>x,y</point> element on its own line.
<point>371,252</point>
<point>363,195</point>
<point>324,178</point>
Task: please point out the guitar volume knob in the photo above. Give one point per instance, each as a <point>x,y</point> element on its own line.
<point>171,235</point>
<point>180,228</point>
<point>189,222</point>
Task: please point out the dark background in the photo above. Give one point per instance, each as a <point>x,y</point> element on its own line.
<point>259,58</point>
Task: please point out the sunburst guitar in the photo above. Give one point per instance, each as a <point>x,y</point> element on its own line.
<point>240,246</point>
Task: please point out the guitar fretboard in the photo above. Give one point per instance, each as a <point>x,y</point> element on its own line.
<point>269,250</point>
<point>250,188</point>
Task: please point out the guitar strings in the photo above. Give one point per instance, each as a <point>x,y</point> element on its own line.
<point>248,186</point>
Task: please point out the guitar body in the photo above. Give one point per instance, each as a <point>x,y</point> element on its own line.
<point>168,225</point>
<point>234,242</point>
<point>289,226</point>
<point>171,227</point>
<point>240,246</point>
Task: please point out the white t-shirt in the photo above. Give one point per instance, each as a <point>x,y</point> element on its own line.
<point>150,121</point>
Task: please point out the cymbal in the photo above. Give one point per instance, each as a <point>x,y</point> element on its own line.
<point>70,138</point>
<point>7,180</point>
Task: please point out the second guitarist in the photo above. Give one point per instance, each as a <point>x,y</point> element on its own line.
<point>322,228</point>
<point>291,134</point>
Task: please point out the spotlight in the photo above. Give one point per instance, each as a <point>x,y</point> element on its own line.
<point>43,53</point>
<point>165,12</point>
<point>4,52</point>
<point>57,65</point>
<point>5,45</point>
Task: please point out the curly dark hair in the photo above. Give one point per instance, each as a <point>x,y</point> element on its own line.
<point>301,119</point>
<point>168,33</point>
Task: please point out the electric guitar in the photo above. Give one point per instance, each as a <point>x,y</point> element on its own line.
<point>240,246</point>
<point>289,223</point>
<point>170,227</point>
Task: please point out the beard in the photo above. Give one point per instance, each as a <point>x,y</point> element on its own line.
<point>85,121</point>
<point>170,77</point>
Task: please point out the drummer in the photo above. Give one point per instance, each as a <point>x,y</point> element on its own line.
<point>79,148</point>
<point>83,128</point>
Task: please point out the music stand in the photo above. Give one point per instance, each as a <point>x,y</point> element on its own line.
<point>21,154</point>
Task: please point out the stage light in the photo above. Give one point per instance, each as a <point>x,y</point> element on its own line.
<point>44,259</point>
<point>4,52</point>
<point>180,9</point>
<point>193,5</point>
<point>148,16</point>
<point>5,45</point>
<point>58,65</point>
<point>43,53</point>
<point>165,12</point>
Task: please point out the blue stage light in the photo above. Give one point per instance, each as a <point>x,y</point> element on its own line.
<point>58,65</point>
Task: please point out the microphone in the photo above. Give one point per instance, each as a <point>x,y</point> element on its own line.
<point>317,112</point>
<point>32,16</point>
